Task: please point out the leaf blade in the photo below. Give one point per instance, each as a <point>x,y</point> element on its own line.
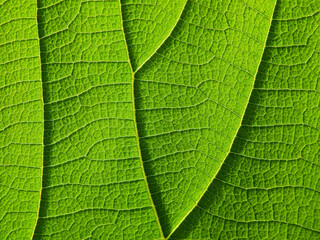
<point>92,184</point>
<point>106,168</point>
<point>21,133</point>
<point>159,90</point>
<point>147,25</point>
<point>258,190</point>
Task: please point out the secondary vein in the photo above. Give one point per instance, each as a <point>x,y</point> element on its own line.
<point>43,122</point>
<point>248,100</point>
<point>136,128</point>
<point>164,40</point>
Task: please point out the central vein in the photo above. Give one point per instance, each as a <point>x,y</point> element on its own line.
<point>136,126</point>
<point>43,136</point>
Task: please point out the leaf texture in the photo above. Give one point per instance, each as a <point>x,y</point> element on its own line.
<point>268,187</point>
<point>21,119</point>
<point>147,24</point>
<point>93,186</point>
<point>190,99</point>
<point>161,119</point>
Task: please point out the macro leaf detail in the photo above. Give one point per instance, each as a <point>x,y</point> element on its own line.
<point>141,119</point>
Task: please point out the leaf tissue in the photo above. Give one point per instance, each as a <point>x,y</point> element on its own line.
<point>160,119</point>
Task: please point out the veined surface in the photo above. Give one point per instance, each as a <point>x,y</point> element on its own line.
<point>21,119</point>
<point>140,124</point>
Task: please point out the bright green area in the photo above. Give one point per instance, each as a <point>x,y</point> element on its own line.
<point>147,24</point>
<point>93,184</point>
<point>21,119</point>
<point>143,101</point>
<point>190,98</point>
<point>269,186</point>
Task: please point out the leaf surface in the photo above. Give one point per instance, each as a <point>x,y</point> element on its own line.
<point>93,183</point>
<point>190,99</point>
<point>160,119</point>
<point>21,119</point>
<point>268,187</point>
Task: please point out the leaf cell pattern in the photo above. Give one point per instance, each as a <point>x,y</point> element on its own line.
<point>21,119</point>
<point>139,119</point>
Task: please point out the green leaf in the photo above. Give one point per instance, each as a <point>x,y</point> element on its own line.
<point>159,119</point>
<point>21,119</point>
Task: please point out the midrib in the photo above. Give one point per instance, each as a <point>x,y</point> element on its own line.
<point>133,73</point>
<point>136,125</point>
<point>43,146</point>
